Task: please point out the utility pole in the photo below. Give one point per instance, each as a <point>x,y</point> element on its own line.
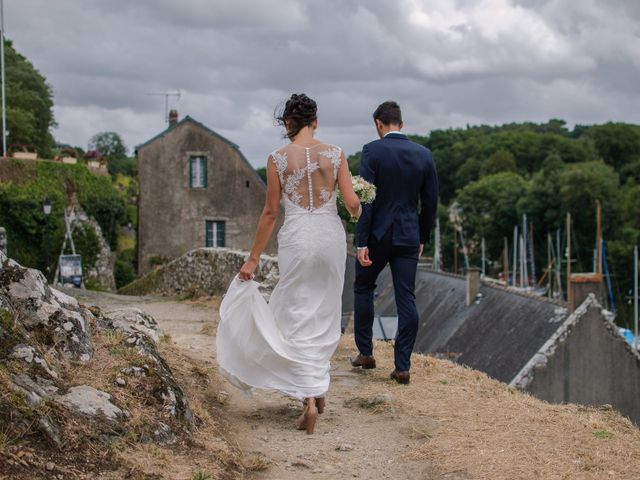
<point>523,263</point>
<point>515,255</point>
<point>568,259</point>
<point>525,242</point>
<point>558,257</point>
<point>598,268</point>
<point>483,257</point>
<point>549,266</point>
<point>635,295</point>
<point>505,260</point>
<point>436,250</point>
<point>455,250</point>
<point>4,90</point>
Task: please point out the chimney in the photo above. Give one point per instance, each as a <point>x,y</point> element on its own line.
<point>473,285</point>
<point>173,117</point>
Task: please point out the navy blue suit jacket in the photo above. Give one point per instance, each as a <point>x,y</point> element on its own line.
<point>404,174</point>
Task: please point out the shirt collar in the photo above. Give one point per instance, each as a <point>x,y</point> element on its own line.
<point>397,132</point>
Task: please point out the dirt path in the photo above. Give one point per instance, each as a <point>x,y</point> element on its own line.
<point>359,436</point>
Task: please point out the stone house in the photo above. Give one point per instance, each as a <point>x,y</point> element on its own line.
<point>196,190</point>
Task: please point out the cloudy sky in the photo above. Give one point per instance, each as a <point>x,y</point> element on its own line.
<point>448,63</point>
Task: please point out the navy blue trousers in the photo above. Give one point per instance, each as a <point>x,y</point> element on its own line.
<point>403,261</point>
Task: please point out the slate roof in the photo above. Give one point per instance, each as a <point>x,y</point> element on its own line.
<point>186,119</point>
<point>498,335</point>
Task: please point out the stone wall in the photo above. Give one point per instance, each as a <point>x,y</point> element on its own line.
<point>172,216</point>
<point>586,361</point>
<point>201,272</point>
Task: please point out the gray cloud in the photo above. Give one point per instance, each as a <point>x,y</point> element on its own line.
<point>449,63</point>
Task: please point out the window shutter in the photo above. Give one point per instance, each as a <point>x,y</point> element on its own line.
<point>191,173</point>
<point>220,234</point>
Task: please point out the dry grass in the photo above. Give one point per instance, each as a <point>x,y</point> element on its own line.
<point>209,328</point>
<point>207,450</point>
<point>489,430</point>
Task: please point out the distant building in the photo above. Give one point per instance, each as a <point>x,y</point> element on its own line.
<point>196,190</point>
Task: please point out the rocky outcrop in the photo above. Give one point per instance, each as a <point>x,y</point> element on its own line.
<point>45,335</point>
<point>201,272</point>
<point>102,272</point>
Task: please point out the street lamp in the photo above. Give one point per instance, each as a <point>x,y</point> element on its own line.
<point>46,208</point>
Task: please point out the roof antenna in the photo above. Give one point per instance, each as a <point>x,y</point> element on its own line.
<point>166,96</point>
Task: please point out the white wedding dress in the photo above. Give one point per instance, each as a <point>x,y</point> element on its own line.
<point>287,344</point>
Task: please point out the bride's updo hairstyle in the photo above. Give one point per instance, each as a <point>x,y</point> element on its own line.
<point>300,111</point>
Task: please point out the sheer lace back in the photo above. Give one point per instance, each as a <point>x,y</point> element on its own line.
<point>308,174</point>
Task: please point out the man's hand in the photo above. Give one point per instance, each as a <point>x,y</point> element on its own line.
<point>421,250</point>
<point>246,272</point>
<point>363,257</point>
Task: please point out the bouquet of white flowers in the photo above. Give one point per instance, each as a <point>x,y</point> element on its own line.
<point>365,191</point>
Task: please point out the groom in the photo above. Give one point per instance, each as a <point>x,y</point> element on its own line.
<point>393,230</point>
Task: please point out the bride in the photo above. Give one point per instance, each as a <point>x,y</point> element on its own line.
<point>287,344</point>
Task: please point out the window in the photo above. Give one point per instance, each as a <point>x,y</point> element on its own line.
<point>214,233</point>
<point>198,172</point>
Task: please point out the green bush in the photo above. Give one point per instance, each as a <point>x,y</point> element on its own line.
<point>125,272</point>
<point>35,240</point>
<point>87,244</point>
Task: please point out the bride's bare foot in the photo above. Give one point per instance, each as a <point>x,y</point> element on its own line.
<point>307,420</point>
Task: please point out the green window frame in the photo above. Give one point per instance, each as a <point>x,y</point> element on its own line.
<point>214,233</point>
<point>198,171</point>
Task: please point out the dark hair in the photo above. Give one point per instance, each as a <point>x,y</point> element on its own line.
<point>300,111</point>
<point>388,113</point>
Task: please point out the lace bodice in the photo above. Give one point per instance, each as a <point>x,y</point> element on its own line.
<point>308,174</point>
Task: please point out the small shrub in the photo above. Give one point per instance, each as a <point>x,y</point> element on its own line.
<point>201,475</point>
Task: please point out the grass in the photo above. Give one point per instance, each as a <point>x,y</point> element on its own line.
<point>485,429</point>
<point>201,475</point>
<point>165,338</point>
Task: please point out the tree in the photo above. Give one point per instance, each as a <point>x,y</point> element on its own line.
<point>581,186</point>
<point>109,144</point>
<point>616,143</point>
<point>29,105</point>
<point>541,202</point>
<point>488,208</point>
<point>500,161</point>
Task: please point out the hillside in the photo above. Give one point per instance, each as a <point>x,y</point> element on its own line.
<point>35,240</point>
<point>450,423</point>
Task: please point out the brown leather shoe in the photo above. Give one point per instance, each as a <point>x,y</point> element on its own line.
<point>365,361</point>
<point>403,378</point>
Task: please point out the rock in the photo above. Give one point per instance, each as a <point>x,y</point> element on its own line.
<point>89,401</point>
<point>222,397</point>
<point>203,272</point>
<point>133,320</point>
<point>62,325</point>
<point>377,400</point>
<point>163,435</point>
<point>50,466</point>
<point>345,447</point>
<point>120,382</point>
<point>102,272</point>
<point>134,371</point>
<point>30,356</point>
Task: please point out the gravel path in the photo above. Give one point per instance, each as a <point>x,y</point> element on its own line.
<point>357,437</point>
